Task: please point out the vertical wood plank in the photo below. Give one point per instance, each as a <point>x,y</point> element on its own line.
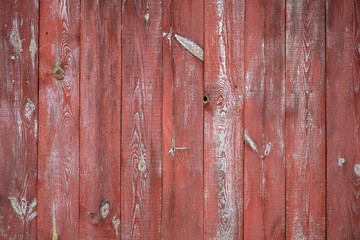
<point>305,119</point>
<point>183,120</point>
<point>18,119</point>
<point>100,119</point>
<point>264,135</point>
<point>343,119</point>
<point>59,120</point>
<point>223,119</point>
<point>141,120</point>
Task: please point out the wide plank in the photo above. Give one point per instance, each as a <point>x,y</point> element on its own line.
<point>343,118</point>
<point>100,119</point>
<point>223,119</point>
<point>264,134</point>
<point>59,120</point>
<point>141,120</point>
<point>18,118</point>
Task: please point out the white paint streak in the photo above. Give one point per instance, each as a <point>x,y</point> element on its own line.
<point>32,46</point>
<point>192,47</point>
<point>104,210</point>
<point>116,223</point>
<point>250,142</point>
<point>357,169</point>
<point>23,210</point>
<point>15,39</point>
<point>341,162</point>
<point>268,148</point>
<point>29,109</point>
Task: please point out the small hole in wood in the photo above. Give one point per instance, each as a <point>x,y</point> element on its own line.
<point>206,98</point>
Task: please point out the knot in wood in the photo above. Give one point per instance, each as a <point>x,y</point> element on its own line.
<point>58,72</point>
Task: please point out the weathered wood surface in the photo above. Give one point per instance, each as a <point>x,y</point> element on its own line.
<point>183,119</point>
<point>343,119</point>
<point>223,119</point>
<point>141,120</point>
<point>58,194</point>
<point>264,120</point>
<point>192,119</point>
<point>100,120</point>
<point>18,119</point>
<point>305,119</point>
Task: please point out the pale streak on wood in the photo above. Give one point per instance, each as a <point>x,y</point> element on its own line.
<point>250,141</point>
<point>54,233</point>
<point>192,47</point>
<point>32,46</point>
<point>15,38</point>
<point>116,223</point>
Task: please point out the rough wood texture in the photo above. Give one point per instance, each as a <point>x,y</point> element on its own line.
<point>59,120</point>
<point>183,120</point>
<point>223,119</point>
<point>141,120</point>
<point>18,119</point>
<point>100,120</point>
<point>305,119</point>
<point>264,134</point>
<point>343,119</point>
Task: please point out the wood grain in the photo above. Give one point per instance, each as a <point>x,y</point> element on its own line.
<point>18,119</point>
<point>183,120</point>
<point>264,135</point>
<point>59,120</point>
<point>305,120</point>
<point>141,120</point>
<point>100,119</point>
<point>223,119</point>
<point>343,119</point>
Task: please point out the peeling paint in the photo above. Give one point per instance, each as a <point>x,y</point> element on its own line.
<point>192,47</point>
<point>29,109</point>
<point>268,148</point>
<point>104,210</point>
<point>116,223</point>
<point>15,39</point>
<point>32,47</point>
<point>357,169</point>
<point>341,162</point>
<point>54,233</point>
<point>250,142</point>
<point>23,210</point>
<point>142,165</point>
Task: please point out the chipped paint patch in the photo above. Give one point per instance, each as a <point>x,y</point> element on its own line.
<point>357,169</point>
<point>341,162</point>
<point>192,47</point>
<point>142,165</point>
<point>250,141</point>
<point>29,109</point>
<point>104,210</point>
<point>147,17</point>
<point>116,223</point>
<point>54,233</point>
<point>32,46</point>
<point>268,148</point>
<point>15,39</point>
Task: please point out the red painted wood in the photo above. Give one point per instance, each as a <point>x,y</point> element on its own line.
<point>264,135</point>
<point>18,119</point>
<point>141,120</point>
<point>305,120</point>
<point>223,119</point>
<point>343,119</point>
<point>59,120</point>
<point>100,120</point>
<point>183,120</point>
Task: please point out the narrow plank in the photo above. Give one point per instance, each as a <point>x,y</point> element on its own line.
<point>183,119</point>
<point>141,120</point>
<point>223,119</point>
<point>59,120</point>
<point>100,119</point>
<point>343,119</point>
<point>18,119</point>
<point>305,119</point>
<point>264,134</point>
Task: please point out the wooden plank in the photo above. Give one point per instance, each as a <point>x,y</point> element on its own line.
<point>305,119</point>
<point>100,120</point>
<point>343,119</point>
<point>183,120</point>
<point>141,120</point>
<point>18,119</point>
<point>59,120</point>
<point>264,135</point>
<point>223,119</point>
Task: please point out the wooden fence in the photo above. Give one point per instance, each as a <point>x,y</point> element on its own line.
<point>180,119</point>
